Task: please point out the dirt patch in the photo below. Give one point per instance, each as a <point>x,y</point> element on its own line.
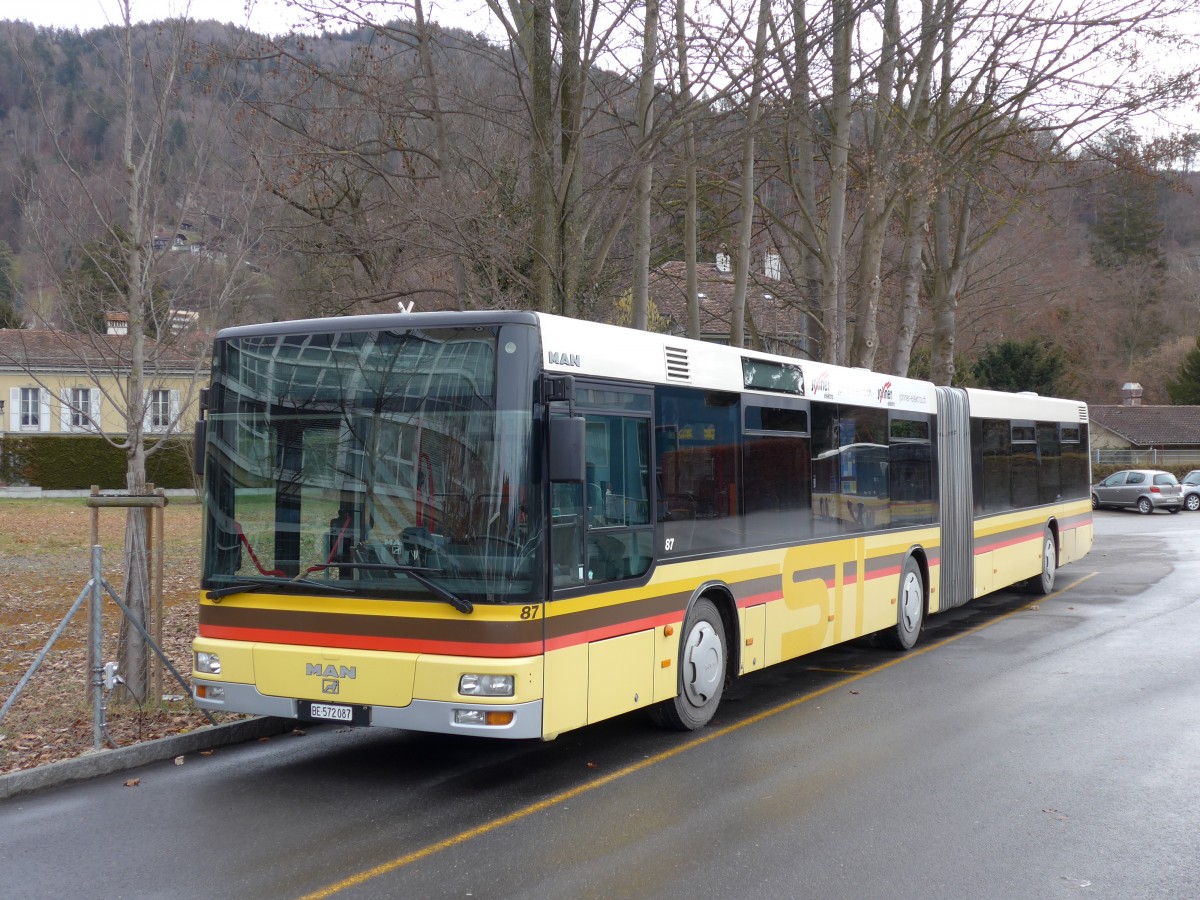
<point>46,562</point>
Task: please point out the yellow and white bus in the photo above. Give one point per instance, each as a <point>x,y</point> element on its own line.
<point>512,524</point>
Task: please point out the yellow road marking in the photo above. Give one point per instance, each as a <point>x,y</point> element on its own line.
<point>525,812</point>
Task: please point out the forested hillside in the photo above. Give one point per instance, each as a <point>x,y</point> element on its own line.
<point>943,197</point>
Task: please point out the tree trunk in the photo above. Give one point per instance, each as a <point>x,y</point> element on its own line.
<point>137,161</point>
<point>445,162</point>
<point>741,274</point>
<point>570,249</point>
<point>952,255</point>
<point>880,163</point>
<point>805,262</point>
<point>916,214</point>
<point>641,215</point>
<point>689,154</point>
<point>542,192</point>
<point>833,298</point>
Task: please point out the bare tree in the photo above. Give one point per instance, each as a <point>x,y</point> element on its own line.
<point>689,163</point>
<point>107,247</point>
<point>645,174</point>
<point>746,206</point>
<point>1021,88</point>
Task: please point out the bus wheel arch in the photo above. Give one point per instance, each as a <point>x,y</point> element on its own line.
<point>1044,583</point>
<point>912,603</point>
<point>705,662</point>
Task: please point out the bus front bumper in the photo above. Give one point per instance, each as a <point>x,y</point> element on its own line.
<point>420,715</point>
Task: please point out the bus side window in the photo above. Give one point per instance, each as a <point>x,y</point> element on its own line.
<point>600,528</point>
<point>620,533</point>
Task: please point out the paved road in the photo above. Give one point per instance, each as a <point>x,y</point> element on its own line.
<point>1029,748</point>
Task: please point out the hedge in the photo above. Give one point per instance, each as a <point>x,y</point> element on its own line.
<point>77,461</point>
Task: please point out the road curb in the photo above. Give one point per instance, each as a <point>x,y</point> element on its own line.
<point>106,762</point>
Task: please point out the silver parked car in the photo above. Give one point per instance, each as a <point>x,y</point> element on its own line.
<point>1144,489</point>
<point>1191,490</point>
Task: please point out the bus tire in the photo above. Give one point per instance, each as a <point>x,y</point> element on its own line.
<point>910,609</point>
<point>703,660</point>
<point>1044,583</point>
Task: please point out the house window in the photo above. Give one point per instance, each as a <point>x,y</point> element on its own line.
<point>160,410</point>
<point>82,414</point>
<point>31,405</point>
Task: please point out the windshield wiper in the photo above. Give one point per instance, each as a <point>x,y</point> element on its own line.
<point>245,588</point>
<point>248,586</point>
<point>417,574</point>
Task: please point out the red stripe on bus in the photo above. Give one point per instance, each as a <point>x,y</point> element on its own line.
<point>757,599</point>
<point>987,548</point>
<point>368,642</point>
<point>610,631</point>
<point>883,573</point>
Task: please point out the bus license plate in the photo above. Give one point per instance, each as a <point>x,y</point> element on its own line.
<point>329,711</point>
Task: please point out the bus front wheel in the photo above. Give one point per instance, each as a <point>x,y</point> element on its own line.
<point>702,664</point>
<point>910,609</point>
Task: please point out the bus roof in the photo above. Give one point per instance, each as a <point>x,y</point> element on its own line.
<point>579,347</point>
<point>587,348</point>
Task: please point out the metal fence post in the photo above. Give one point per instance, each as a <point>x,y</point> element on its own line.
<point>94,539</point>
<point>96,643</point>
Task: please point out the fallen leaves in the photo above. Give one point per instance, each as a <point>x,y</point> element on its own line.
<point>52,719</point>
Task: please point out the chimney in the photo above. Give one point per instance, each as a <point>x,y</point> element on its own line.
<point>116,323</point>
<point>1131,394</point>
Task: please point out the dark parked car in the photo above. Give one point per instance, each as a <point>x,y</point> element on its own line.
<point>1191,490</point>
<point>1144,489</point>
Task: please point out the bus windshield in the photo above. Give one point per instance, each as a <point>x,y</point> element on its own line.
<point>369,463</point>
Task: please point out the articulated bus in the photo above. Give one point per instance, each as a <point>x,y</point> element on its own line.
<point>511,524</point>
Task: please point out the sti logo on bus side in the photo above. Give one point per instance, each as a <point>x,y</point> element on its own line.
<point>564,359</point>
<point>330,671</point>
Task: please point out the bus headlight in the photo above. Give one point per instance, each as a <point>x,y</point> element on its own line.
<point>486,685</point>
<point>208,663</point>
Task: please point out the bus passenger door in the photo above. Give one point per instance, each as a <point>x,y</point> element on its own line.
<point>601,534</point>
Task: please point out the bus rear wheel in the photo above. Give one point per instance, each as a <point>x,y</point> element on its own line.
<point>1045,582</point>
<point>910,609</point>
<point>702,664</point>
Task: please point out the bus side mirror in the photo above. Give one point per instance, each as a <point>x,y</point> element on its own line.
<point>198,447</point>
<point>567,442</point>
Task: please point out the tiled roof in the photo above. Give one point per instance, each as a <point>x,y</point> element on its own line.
<point>1151,426</point>
<point>778,315</point>
<point>43,351</point>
